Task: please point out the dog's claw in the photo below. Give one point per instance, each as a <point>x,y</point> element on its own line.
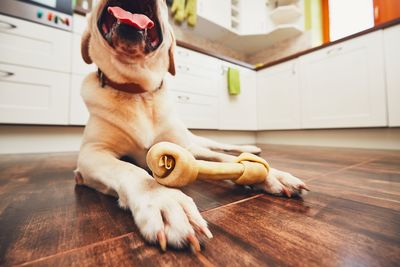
<point>194,243</point>
<point>286,192</point>
<point>162,240</point>
<point>207,232</point>
<point>303,186</point>
<point>78,178</point>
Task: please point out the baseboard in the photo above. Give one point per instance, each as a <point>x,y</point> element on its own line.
<point>229,137</point>
<point>371,138</point>
<point>43,139</point>
<point>39,139</point>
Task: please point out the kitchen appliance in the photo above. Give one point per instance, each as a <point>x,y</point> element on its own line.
<point>54,13</point>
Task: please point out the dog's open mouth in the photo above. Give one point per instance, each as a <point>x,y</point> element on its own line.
<point>134,20</point>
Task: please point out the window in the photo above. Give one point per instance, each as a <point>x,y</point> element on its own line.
<point>349,17</point>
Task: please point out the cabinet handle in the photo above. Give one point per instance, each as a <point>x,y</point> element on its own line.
<point>5,74</point>
<point>7,25</point>
<point>224,70</point>
<point>183,53</point>
<point>184,68</point>
<point>330,51</point>
<point>336,49</point>
<point>183,98</point>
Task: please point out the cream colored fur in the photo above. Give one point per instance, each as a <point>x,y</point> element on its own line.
<point>124,124</point>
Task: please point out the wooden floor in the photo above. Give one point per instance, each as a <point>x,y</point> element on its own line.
<point>351,217</point>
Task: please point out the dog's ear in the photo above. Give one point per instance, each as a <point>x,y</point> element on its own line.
<point>85,47</point>
<point>171,68</point>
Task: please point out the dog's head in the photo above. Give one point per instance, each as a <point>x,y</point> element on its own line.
<point>131,41</point>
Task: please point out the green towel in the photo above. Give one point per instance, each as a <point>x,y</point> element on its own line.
<point>178,9</point>
<point>191,12</point>
<point>233,81</point>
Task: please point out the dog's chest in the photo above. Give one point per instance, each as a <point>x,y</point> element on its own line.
<point>146,119</point>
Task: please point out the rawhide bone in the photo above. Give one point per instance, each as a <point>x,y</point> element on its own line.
<point>174,166</point>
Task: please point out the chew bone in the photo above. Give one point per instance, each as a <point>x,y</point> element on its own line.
<point>174,166</point>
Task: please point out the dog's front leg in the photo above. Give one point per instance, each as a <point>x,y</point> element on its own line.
<point>162,214</point>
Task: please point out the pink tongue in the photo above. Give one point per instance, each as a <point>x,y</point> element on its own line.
<point>138,21</point>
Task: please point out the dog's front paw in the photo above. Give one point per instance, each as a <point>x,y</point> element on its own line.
<point>168,216</point>
<point>283,183</point>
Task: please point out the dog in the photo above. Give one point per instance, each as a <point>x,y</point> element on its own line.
<point>132,44</point>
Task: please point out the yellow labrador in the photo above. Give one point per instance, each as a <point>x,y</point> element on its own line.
<point>132,44</point>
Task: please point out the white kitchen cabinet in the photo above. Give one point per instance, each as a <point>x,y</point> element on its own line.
<point>343,85</point>
<point>195,88</point>
<point>196,111</point>
<point>218,12</point>
<point>28,44</point>
<point>238,112</point>
<point>78,113</point>
<point>278,97</point>
<point>80,24</point>
<point>33,96</point>
<point>196,73</point>
<point>78,66</point>
<point>392,67</point>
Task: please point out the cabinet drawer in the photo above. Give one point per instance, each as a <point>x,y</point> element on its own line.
<point>197,112</point>
<point>33,96</point>
<point>183,55</point>
<point>194,84</point>
<point>29,44</point>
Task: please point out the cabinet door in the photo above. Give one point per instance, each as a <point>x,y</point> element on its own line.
<point>218,12</point>
<point>29,44</point>
<point>78,113</point>
<point>278,98</point>
<point>196,111</point>
<point>194,89</point>
<point>392,60</point>
<point>78,66</point>
<point>343,85</point>
<point>33,96</point>
<point>238,112</point>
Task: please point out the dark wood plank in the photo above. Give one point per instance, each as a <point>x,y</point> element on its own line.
<point>127,250</point>
<point>376,182</point>
<point>319,230</point>
<point>211,194</point>
<point>351,217</point>
<point>306,233</point>
<point>43,213</point>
